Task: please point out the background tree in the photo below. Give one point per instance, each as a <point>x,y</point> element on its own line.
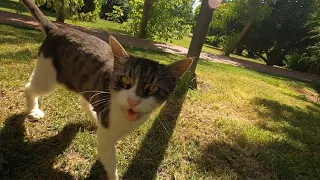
<point>111,7</point>
<point>74,9</point>
<point>276,34</point>
<point>203,20</point>
<point>167,19</point>
<point>145,18</point>
<point>60,16</point>
<point>250,8</point>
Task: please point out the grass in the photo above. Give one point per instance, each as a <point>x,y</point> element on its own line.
<point>104,25</point>
<point>239,124</point>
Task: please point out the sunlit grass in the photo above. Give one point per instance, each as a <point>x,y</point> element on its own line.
<point>238,124</point>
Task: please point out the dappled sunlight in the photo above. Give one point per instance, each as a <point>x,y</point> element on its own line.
<point>238,124</point>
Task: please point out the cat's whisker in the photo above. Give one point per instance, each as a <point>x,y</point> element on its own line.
<point>106,92</point>
<point>102,106</point>
<point>104,98</point>
<point>105,107</point>
<point>95,95</point>
<point>101,102</point>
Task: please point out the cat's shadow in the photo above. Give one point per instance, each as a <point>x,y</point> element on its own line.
<point>156,142</point>
<point>21,159</point>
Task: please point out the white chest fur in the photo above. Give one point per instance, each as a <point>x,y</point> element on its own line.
<point>118,127</point>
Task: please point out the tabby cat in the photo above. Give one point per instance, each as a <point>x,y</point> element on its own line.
<point>118,90</point>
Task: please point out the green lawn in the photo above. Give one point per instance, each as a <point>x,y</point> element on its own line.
<point>239,124</point>
<point>15,6</point>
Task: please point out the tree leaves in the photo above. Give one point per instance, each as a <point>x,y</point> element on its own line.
<point>168,19</point>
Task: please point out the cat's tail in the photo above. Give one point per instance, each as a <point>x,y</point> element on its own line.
<point>45,24</point>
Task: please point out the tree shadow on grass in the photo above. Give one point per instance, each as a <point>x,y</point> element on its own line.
<point>297,155</point>
<point>32,160</point>
<point>231,161</point>
<point>24,34</point>
<point>284,145</point>
<point>151,153</point>
<point>302,126</point>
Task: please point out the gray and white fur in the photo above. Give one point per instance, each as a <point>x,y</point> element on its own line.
<point>118,90</point>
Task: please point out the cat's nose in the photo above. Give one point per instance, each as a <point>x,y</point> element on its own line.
<point>132,102</point>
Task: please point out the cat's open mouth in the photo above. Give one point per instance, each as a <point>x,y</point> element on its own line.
<point>131,115</point>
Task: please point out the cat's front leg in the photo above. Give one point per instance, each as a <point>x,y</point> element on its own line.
<point>107,155</point>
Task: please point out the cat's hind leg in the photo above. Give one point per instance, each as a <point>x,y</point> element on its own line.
<point>42,81</point>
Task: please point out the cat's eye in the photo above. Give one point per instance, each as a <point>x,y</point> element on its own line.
<point>126,80</point>
<point>153,89</point>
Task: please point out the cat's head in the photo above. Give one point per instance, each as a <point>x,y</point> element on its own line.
<point>140,84</point>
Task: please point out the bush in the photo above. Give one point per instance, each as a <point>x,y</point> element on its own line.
<point>110,13</point>
<point>86,10</point>
<point>116,15</point>
<point>213,41</point>
<point>90,11</point>
<point>228,41</point>
<point>299,61</point>
<point>167,19</point>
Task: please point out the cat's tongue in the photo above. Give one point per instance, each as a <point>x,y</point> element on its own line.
<point>131,115</point>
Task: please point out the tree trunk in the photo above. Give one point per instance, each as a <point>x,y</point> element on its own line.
<point>198,38</point>
<point>315,69</point>
<point>145,17</point>
<point>273,56</point>
<point>60,12</point>
<point>243,32</point>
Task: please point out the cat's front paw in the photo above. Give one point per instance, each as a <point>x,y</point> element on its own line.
<point>36,114</point>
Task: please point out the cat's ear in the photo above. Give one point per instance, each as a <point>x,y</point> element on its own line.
<point>117,50</point>
<point>178,68</point>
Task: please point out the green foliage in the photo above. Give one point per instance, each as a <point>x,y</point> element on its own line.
<point>315,49</point>
<point>168,19</point>
<point>71,7</point>
<point>228,40</point>
<point>135,16</point>
<point>116,15</point>
<point>87,10</point>
<point>195,15</point>
<point>307,56</point>
<point>298,61</point>
<point>276,31</point>
<point>213,40</point>
<point>109,12</point>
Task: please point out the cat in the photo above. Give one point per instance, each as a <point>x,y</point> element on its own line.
<point>118,90</point>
